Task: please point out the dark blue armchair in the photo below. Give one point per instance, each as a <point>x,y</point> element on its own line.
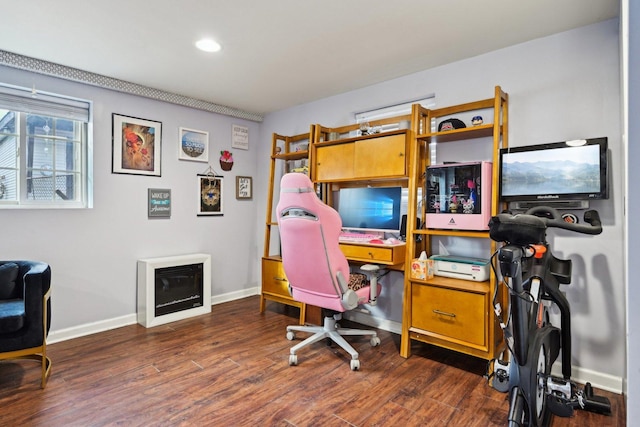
<point>25,312</point>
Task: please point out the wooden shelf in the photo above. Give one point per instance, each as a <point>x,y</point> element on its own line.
<point>296,155</point>
<point>452,313</point>
<point>450,282</point>
<point>480,131</point>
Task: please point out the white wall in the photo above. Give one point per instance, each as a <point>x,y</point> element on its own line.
<point>93,252</point>
<point>632,62</point>
<point>561,87</point>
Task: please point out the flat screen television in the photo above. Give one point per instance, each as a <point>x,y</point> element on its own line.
<point>370,208</point>
<point>556,172</point>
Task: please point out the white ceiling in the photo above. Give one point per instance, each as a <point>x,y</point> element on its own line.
<point>278,53</point>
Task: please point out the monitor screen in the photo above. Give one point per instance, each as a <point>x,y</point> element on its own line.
<point>571,170</point>
<point>370,208</point>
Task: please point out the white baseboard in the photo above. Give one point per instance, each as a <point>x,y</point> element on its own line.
<point>598,380</point>
<point>131,319</point>
<point>91,328</point>
<point>232,296</point>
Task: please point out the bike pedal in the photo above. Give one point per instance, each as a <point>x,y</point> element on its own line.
<point>558,407</point>
<point>593,403</point>
<point>500,376</point>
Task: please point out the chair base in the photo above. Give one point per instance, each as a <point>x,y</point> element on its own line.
<point>330,330</point>
<point>44,361</point>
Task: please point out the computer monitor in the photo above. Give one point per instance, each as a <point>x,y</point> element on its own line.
<point>370,208</point>
<point>561,171</point>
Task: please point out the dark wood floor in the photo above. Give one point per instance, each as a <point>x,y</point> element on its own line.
<point>230,368</point>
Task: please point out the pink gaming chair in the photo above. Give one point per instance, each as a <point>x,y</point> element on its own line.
<point>316,268</point>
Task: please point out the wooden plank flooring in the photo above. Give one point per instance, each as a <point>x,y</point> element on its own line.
<point>230,368</point>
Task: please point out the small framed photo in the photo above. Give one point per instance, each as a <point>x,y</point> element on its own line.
<point>210,195</point>
<point>194,145</point>
<point>136,145</point>
<point>244,187</point>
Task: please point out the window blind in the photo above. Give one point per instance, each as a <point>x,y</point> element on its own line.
<point>42,103</point>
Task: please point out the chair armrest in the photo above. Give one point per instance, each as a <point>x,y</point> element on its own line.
<point>344,286</point>
<point>37,283</point>
<point>349,298</point>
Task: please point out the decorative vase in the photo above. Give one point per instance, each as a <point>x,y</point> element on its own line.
<point>226,166</point>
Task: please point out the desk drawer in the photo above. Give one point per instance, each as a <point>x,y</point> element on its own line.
<point>274,281</point>
<point>451,313</point>
<point>376,254</point>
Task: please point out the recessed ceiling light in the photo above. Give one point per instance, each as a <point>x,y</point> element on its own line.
<point>208,45</point>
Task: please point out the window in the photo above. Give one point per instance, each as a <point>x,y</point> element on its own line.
<point>392,111</point>
<point>45,143</point>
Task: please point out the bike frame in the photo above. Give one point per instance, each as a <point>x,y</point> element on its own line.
<point>526,270</point>
<point>533,276</point>
<point>527,291</point>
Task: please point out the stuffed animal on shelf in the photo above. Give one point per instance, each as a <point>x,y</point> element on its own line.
<point>467,207</point>
<point>453,204</point>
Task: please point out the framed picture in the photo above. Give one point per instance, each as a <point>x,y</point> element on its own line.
<point>210,195</point>
<point>194,145</point>
<point>240,137</point>
<point>136,145</point>
<point>244,187</point>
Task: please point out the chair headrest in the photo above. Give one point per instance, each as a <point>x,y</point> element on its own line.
<point>296,182</point>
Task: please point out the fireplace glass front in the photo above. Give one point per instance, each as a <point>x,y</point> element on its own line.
<point>178,288</point>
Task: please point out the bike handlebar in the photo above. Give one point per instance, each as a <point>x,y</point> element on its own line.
<point>553,219</point>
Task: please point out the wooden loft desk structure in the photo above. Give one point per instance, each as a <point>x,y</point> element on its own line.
<point>451,313</point>
<point>372,160</point>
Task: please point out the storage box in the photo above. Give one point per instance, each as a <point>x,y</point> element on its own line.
<point>422,269</point>
<point>459,196</point>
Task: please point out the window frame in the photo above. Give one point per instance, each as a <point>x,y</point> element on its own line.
<point>23,102</point>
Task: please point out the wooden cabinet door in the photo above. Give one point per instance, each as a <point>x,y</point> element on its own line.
<point>334,162</point>
<point>380,157</point>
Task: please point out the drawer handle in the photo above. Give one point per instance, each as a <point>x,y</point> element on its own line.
<point>280,279</point>
<point>444,313</point>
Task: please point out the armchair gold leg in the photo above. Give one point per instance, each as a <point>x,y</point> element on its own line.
<point>46,366</point>
<point>46,370</point>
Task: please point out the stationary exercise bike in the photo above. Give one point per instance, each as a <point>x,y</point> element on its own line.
<point>533,276</point>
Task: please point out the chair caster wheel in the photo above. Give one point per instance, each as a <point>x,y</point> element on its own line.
<point>293,359</point>
<point>355,364</point>
<point>375,341</point>
<point>291,336</point>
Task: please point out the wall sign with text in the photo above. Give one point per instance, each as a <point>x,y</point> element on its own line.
<point>159,203</point>
<point>240,137</point>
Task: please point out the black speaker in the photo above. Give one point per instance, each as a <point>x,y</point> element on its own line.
<point>403,227</point>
